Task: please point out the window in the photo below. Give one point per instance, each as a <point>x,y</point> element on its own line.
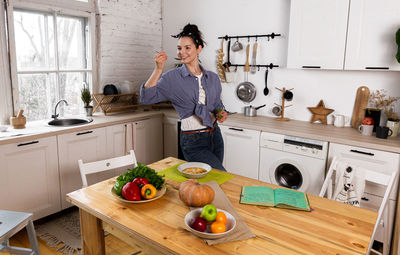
<point>51,60</point>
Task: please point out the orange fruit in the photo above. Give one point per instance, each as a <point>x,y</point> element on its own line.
<point>217,227</point>
<point>221,217</point>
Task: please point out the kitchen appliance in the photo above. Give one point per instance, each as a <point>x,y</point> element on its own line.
<point>380,161</point>
<point>251,111</point>
<point>293,162</point>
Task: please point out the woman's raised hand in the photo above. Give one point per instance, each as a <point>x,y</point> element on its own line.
<point>160,59</point>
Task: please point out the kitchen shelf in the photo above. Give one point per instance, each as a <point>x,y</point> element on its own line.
<point>115,103</point>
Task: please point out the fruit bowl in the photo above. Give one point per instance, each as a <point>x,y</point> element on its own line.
<point>185,166</point>
<point>230,225</point>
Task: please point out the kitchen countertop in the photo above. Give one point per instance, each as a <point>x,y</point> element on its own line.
<point>329,133</point>
<point>40,129</point>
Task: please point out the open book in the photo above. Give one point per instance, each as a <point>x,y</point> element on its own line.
<point>281,198</point>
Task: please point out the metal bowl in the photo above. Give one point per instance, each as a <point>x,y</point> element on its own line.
<point>246,91</point>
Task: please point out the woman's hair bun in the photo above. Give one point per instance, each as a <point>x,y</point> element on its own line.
<point>192,31</point>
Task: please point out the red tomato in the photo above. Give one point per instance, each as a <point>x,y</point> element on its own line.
<point>368,121</point>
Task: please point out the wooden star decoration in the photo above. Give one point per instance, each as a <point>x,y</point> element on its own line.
<point>319,112</point>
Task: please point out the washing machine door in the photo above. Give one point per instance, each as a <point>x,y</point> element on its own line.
<point>289,173</point>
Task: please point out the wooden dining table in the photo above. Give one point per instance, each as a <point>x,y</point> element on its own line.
<point>158,226</point>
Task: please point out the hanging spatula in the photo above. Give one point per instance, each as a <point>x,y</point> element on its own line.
<point>253,68</point>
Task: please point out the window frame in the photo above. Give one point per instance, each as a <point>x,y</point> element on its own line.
<point>6,106</point>
<point>55,11</point>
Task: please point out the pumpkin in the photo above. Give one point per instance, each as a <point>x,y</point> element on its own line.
<point>193,193</point>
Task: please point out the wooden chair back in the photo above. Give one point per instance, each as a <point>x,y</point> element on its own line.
<point>381,178</point>
<point>104,165</point>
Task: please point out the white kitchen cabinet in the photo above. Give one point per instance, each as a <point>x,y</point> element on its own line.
<point>170,133</point>
<point>116,140</point>
<point>343,34</point>
<point>29,177</point>
<point>241,151</point>
<point>88,145</point>
<point>116,147</point>
<point>146,139</point>
<point>371,35</point>
<point>317,34</point>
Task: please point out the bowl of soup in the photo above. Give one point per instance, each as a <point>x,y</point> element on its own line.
<point>194,170</point>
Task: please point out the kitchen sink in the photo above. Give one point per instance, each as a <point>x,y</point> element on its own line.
<point>69,122</point>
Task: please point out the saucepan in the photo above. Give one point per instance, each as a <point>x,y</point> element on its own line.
<point>251,111</point>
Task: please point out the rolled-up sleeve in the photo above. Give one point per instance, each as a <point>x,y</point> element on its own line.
<point>155,94</point>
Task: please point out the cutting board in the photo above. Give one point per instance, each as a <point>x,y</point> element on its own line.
<point>359,106</point>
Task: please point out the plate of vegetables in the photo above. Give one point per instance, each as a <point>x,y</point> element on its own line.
<point>139,185</point>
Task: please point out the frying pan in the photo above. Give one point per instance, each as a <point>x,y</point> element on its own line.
<point>246,91</point>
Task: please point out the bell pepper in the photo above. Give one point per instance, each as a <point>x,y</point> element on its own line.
<point>219,113</point>
<point>148,191</point>
<point>140,181</point>
<point>118,186</point>
<point>131,191</point>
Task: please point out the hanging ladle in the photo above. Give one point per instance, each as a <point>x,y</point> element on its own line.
<point>266,90</point>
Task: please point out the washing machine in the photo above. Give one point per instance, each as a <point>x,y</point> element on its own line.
<point>293,162</point>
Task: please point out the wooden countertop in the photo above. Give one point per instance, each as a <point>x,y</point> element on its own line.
<point>330,133</point>
<point>331,228</point>
<point>317,131</point>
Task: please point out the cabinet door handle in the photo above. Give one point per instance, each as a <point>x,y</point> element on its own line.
<point>315,67</point>
<point>377,68</point>
<point>363,152</point>
<point>84,133</point>
<point>236,129</point>
<point>23,144</point>
<point>365,199</point>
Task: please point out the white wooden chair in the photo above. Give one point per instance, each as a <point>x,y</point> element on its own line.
<point>371,176</point>
<point>104,165</point>
<point>10,224</point>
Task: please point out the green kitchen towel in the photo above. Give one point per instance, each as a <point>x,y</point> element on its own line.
<point>172,173</point>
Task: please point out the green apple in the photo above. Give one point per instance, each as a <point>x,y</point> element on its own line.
<point>209,213</point>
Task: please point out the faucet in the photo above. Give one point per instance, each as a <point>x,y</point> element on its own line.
<point>55,108</point>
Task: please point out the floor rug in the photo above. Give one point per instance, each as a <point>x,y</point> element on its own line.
<point>63,232</point>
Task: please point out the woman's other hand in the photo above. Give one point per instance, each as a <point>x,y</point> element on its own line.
<point>160,59</point>
<point>222,116</point>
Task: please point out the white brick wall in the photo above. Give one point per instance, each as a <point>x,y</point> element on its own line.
<point>130,33</point>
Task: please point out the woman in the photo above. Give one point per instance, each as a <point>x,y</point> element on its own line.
<point>195,94</point>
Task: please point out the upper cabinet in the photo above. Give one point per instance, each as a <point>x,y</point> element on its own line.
<point>317,33</point>
<point>371,42</point>
<point>343,34</point>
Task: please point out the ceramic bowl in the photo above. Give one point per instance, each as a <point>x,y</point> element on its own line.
<point>230,225</point>
<point>194,164</point>
<point>3,128</point>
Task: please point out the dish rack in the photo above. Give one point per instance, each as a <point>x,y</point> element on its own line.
<point>115,103</point>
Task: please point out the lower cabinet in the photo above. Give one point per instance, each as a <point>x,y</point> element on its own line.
<point>88,145</point>
<point>29,177</point>
<point>170,135</point>
<point>146,139</point>
<point>241,151</point>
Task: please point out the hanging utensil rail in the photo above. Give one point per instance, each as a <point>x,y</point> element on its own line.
<point>227,64</point>
<point>269,36</point>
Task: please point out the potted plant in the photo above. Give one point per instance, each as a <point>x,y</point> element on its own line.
<point>86,97</point>
<point>380,100</point>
